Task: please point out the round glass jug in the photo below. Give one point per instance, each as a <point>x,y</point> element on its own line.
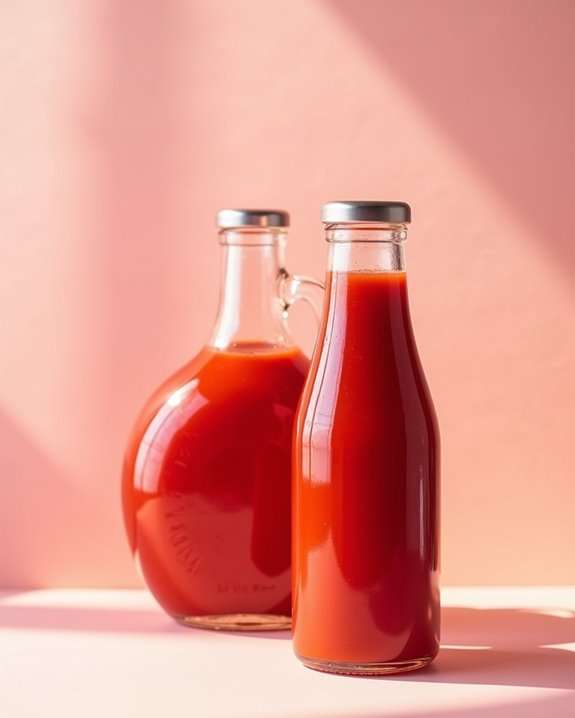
<point>207,472</point>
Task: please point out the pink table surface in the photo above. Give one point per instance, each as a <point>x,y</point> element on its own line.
<point>78,653</point>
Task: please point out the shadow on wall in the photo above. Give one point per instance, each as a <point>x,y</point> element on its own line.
<point>483,646</point>
<point>135,108</point>
<point>496,77</point>
<point>34,489</point>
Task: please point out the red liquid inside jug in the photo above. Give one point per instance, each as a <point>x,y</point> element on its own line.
<point>206,487</point>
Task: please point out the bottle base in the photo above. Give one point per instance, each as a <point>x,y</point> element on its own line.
<point>370,668</point>
<point>237,622</point>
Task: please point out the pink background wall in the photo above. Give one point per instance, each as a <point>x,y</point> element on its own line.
<point>125,125</point>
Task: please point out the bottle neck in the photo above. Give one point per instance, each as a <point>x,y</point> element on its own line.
<point>250,314</point>
<point>366,285</point>
<point>366,247</point>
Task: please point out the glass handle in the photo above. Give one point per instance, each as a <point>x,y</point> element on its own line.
<point>293,287</point>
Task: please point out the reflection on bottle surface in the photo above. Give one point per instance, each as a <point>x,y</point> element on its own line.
<point>206,488</point>
<point>366,487</point>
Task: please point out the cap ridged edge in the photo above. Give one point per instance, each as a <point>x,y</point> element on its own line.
<point>230,218</point>
<point>365,211</point>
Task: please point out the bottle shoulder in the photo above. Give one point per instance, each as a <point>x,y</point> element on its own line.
<point>365,392</point>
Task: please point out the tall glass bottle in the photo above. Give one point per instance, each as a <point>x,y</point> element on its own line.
<point>206,482</point>
<point>366,463</point>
